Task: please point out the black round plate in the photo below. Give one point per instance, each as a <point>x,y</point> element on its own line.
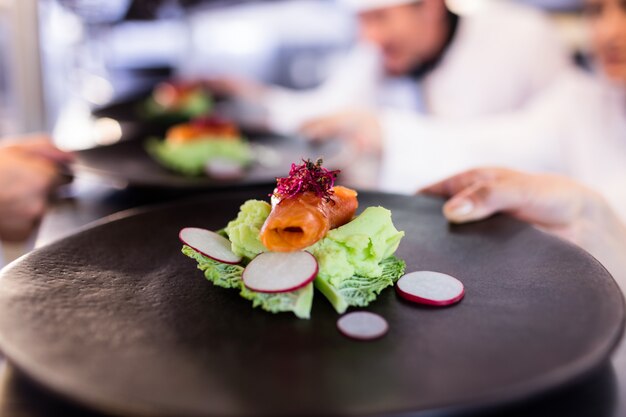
<point>128,163</point>
<point>118,319</point>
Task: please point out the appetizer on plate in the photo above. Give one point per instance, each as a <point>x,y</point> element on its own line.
<point>179,100</point>
<point>307,236</point>
<point>206,145</point>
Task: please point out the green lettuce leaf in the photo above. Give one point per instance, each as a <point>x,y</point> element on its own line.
<point>243,231</point>
<point>299,302</point>
<point>359,291</point>
<point>229,276</point>
<point>357,248</point>
<point>220,274</point>
<point>393,268</point>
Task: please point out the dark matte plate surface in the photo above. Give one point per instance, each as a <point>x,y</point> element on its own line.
<point>128,163</point>
<point>115,317</point>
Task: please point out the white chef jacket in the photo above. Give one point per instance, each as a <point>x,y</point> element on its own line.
<point>499,58</point>
<point>576,128</point>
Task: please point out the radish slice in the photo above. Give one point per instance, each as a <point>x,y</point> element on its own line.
<point>209,244</point>
<point>362,325</point>
<point>274,272</point>
<point>224,169</point>
<point>431,288</point>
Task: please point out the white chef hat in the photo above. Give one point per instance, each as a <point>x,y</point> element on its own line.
<point>365,5</point>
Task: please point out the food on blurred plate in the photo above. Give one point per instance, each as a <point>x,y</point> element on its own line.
<point>315,241</point>
<point>206,145</point>
<point>179,100</point>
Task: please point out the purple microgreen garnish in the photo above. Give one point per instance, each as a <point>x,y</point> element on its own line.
<point>307,177</point>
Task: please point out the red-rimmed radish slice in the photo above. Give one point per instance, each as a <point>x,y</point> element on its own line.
<point>362,325</point>
<point>431,288</point>
<point>274,272</point>
<point>209,244</point>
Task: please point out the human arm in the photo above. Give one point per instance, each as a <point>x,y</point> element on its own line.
<point>553,203</point>
<point>29,171</point>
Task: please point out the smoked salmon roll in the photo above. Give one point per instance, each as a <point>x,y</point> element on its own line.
<point>298,222</point>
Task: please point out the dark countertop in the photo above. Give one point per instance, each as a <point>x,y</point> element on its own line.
<point>601,393</point>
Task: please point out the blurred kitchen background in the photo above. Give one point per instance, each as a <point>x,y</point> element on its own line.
<point>59,59</point>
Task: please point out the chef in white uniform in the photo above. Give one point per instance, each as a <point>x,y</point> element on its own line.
<point>589,121</point>
<point>417,55</point>
<point>576,128</point>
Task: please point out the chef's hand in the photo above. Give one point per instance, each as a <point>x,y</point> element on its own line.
<point>359,127</point>
<point>29,171</point>
<point>555,204</point>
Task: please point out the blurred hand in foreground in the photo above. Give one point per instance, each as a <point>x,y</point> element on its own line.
<point>359,127</point>
<point>553,203</point>
<point>29,171</point>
